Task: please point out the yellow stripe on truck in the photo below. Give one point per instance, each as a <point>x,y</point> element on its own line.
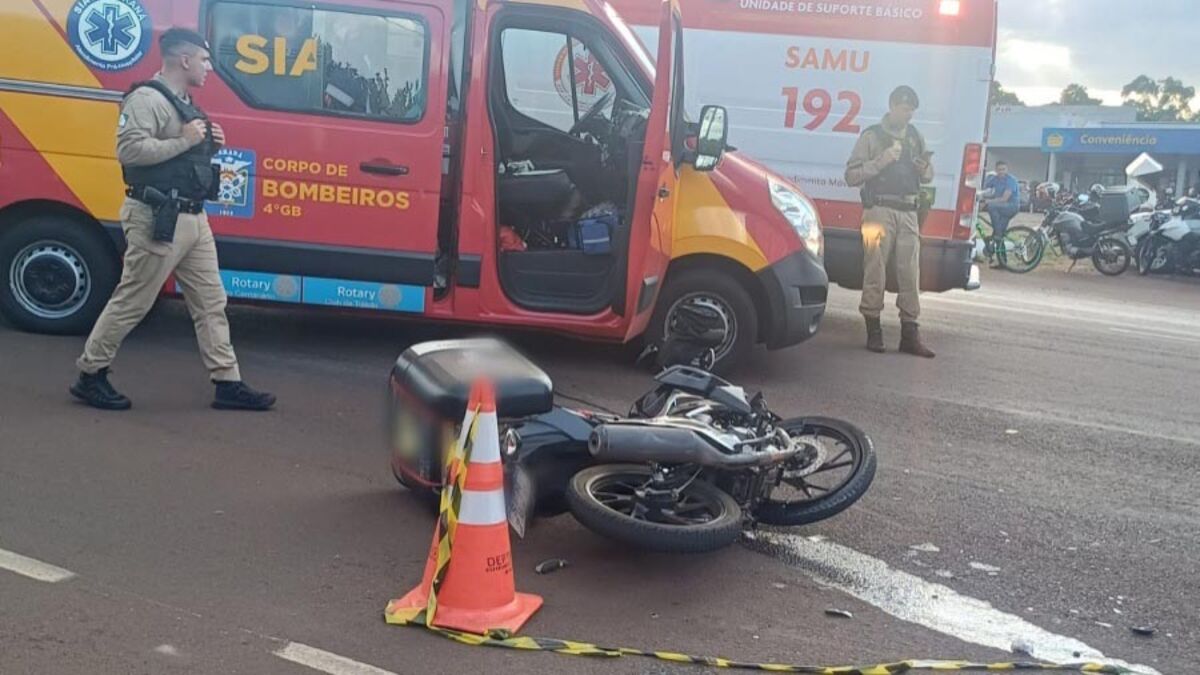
<point>77,138</point>
<point>705,223</point>
<point>59,9</point>
<point>32,49</point>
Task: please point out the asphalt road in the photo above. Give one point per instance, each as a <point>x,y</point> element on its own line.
<point>1049,455</point>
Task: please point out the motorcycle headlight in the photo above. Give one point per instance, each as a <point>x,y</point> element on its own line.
<point>800,213</point>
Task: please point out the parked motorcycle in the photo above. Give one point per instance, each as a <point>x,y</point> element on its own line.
<point>1141,226</point>
<point>1077,231</point>
<point>1171,242</point>
<point>694,462</point>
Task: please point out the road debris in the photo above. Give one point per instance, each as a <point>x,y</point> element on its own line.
<point>841,613</point>
<point>927,547</point>
<point>551,565</point>
<point>1145,631</point>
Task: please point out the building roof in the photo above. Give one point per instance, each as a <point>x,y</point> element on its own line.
<point>1021,126</point>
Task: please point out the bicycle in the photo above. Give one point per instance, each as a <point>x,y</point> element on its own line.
<point>1020,250</point>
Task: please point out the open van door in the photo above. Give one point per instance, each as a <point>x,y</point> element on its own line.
<point>654,208</point>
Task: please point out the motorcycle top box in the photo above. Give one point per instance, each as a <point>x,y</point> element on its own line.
<point>430,384</point>
<point>439,375</point>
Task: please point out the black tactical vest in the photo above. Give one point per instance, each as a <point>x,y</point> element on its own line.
<point>192,172</point>
<point>901,178</point>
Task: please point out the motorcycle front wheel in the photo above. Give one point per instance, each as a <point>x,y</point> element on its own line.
<point>619,501</point>
<point>812,489</point>
<point>1152,256</point>
<point>1111,256</point>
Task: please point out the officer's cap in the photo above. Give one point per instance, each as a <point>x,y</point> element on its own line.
<point>174,37</point>
<point>903,95</point>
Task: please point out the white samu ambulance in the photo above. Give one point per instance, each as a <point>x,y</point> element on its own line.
<point>803,79</point>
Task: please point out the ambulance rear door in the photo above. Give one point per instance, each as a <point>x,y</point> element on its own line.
<point>330,182</point>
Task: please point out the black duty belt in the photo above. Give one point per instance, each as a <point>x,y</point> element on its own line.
<point>896,202</point>
<point>185,205</point>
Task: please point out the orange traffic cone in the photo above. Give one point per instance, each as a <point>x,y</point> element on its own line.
<point>477,593</point>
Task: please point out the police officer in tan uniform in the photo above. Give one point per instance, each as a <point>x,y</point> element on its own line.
<point>889,163</point>
<point>165,145</point>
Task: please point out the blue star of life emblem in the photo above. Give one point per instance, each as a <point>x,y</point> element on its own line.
<point>109,34</point>
<point>110,28</point>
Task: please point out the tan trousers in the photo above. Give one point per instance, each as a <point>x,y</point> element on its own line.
<point>192,256</point>
<point>888,233</point>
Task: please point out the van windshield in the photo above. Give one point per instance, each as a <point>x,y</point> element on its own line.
<point>630,40</point>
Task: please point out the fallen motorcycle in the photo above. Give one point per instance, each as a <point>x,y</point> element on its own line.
<point>693,463</point>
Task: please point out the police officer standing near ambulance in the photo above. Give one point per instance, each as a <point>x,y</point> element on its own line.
<point>889,163</point>
<point>165,145</point>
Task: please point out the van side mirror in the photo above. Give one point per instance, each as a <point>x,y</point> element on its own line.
<point>713,132</point>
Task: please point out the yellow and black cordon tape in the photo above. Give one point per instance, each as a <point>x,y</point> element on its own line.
<point>455,472</point>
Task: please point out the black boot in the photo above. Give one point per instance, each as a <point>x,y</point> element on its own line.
<point>95,391</point>
<point>237,396</point>
<point>910,340</point>
<point>875,335</point>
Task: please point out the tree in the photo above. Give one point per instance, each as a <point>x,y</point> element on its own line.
<point>1077,94</point>
<point>1166,100</point>
<point>1000,96</point>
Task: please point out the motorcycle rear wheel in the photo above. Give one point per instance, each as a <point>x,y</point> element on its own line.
<point>1111,256</point>
<point>604,499</point>
<point>822,498</point>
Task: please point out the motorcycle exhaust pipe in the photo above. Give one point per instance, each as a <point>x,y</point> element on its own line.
<point>643,443</point>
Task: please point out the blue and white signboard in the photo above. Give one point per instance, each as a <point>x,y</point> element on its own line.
<point>1121,140</point>
<point>364,295</point>
<point>260,286</point>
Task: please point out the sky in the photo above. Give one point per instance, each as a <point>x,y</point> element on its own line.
<point>1044,45</point>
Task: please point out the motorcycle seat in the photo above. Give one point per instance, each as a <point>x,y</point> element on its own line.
<point>1094,228</point>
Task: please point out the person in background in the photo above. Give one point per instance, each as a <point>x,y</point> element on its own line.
<point>1002,201</point>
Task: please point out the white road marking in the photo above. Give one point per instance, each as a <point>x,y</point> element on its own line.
<point>1155,334</point>
<point>1046,416</point>
<point>1108,314</point>
<point>934,606</point>
<point>326,662</point>
<point>34,569</point>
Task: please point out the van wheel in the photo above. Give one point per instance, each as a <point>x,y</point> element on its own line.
<point>718,295</point>
<point>56,275</point>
